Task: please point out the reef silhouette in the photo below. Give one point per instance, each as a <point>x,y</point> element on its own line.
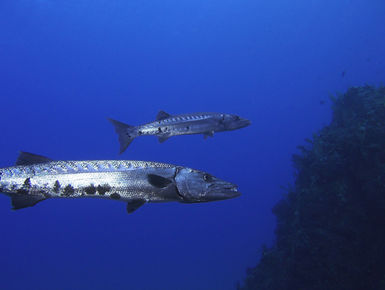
<point>330,230</point>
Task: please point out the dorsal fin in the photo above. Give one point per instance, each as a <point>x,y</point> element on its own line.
<point>26,158</point>
<point>162,115</point>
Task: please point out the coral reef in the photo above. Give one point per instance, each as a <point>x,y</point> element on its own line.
<point>330,230</point>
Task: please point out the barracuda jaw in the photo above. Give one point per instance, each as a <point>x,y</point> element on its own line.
<point>222,191</point>
<point>234,122</point>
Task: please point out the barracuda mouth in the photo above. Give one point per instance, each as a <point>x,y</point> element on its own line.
<point>243,123</point>
<point>222,191</point>
<point>237,123</point>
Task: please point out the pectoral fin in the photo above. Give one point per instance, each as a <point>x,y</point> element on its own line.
<point>158,181</point>
<point>134,204</point>
<point>22,201</point>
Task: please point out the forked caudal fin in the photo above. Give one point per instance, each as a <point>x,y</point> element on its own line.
<point>125,132</point>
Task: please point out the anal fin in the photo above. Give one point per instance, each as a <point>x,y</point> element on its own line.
<point>163,137</point>
<point>208,134</point>
<point>22,201</point>
<point>134,204</point>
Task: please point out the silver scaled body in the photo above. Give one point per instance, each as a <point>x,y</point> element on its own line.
<point>166,126</point>
<point>120,180</point>
<point>133,182</point>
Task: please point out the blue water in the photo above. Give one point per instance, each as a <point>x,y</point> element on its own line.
<point>65,66</point>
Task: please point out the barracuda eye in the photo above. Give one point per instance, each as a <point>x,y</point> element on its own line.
<point>236,118</point>
<point>207,177</point>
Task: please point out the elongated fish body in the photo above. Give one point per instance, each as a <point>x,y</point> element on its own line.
<point>167,125</point>
<point>37,178</point>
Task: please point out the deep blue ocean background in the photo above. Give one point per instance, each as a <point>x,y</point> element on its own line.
<point>65,66</point>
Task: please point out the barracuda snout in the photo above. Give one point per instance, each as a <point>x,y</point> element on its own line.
<point>234,122</point>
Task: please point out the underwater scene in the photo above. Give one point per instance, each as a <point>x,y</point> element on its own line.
<point>198,145</point>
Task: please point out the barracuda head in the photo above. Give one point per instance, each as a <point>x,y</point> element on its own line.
<point>234,122</point>
<point>198,186</point>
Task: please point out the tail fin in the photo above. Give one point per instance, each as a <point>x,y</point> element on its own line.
<point>125,132</point>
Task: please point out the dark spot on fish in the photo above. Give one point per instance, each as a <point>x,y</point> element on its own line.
<point>140,132</point>
<point>68,190</point>
<point>115,195</point>
<point>102,189</point>
<point>22,191</point>
<point>90,189</point>
<point>159,130</point>
<point>56,186</point>
<point>27,183</point>
<point>187,127</point>
<point>44,193</point>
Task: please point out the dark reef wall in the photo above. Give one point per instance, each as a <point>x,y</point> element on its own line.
<point>331,225</point>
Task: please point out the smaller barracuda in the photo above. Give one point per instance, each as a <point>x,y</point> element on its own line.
<point>167,125</point>
<point>36,178</point>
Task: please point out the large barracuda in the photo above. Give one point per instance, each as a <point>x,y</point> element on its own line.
<point>167,125</point>
<point>36,178</point>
